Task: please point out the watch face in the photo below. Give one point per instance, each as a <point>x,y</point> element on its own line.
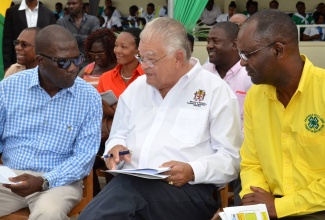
<point>45,185</point>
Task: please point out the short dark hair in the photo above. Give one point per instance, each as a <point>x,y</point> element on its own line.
<point>151,5</point>
<point>135,32</point>
<point>300,3</point>
<point>274,1</point>
<point>231,29</point>
<point>274,25</point>
<point>59,4</point>
<point>232,4</point>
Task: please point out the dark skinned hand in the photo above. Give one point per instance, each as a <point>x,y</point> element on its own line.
<point>29,184</point>
<point>180,173</point>
<point>260,196</point>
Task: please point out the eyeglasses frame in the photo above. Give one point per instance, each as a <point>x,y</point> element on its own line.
<point>57,60</point>
<point>141,60</point>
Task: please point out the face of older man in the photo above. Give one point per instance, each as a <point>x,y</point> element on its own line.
<point>158,65</point>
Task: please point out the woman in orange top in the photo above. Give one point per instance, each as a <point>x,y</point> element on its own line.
<point>119,78</point>
<point>99,47</point>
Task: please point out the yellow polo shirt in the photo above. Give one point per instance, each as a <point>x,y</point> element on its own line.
<point>284,148</point>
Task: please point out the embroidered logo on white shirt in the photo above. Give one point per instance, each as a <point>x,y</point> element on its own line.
<point>198,98</point>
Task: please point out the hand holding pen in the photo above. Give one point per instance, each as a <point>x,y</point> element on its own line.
<point>115,155</point>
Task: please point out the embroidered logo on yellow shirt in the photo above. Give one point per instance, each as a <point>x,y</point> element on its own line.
<point>314,123</point>
<point>198,98</point>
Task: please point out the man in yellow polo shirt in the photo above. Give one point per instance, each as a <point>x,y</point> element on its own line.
<point>283,154</point>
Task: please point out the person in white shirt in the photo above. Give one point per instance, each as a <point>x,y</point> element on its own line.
<point>116,13</point>
<point>231,11</point>
<point>111,20</point>
<point>177,115</point>
<point>315,33</point>
<point>210,13</point>
<point>150,13</point>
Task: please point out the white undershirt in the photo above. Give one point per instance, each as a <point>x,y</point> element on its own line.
<point>31,15</point>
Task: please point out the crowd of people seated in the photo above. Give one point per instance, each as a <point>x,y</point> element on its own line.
<point>209,124</point>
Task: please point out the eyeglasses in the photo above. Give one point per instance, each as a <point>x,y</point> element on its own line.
<point>99,54</point>
<point>245,56</point>
<point>64,63</point>
<point>23,44</point>
<point>149,63</point>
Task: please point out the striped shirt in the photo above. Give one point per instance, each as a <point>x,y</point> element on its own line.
<point>58,135</point>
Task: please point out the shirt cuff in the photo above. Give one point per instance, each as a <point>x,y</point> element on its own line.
<point>199,172</point>
<point>285,206</point>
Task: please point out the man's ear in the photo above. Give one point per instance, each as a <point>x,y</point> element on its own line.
<point>279,50</point>
<point>234,44</point>
<point>179,55</point>
<point>39,60</point>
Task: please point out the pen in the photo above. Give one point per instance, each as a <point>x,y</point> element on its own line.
<point>120,153</point>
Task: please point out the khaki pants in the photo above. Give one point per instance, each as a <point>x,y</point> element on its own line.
<point>54,203</point>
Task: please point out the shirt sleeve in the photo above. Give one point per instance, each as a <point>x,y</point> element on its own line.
<point>251,172</point>
<point>85,149</point>
<point>307,200</point>
<point>2,117</point>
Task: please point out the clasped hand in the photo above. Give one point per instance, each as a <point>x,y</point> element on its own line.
<point>29,184</point>
<point>260,196</point>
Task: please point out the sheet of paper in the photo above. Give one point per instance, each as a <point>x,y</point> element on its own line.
<point>148,173</point>
<point>249,212</point>
<point>5,173</point>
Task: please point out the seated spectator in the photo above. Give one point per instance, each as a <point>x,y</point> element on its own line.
<point>231,11</point>
<point>177,115</point>
<point>131,20</point>
<point>210,13</point>
<point>111,20</point>
<point>50,129</point>
<point>274,4</point>
<point>163,11</point>
<point>315,33</point>
<point>251,8</point>
<point>65,12</point>
<point>238,19</point>
<point>25,51</point>
<point>108,3</point>
<point>58,9</point>
<point>320,8</point>
<point>150,13</point>
<point>99,47</point>
<point>127,70</point>
<point>85,8</point>
<point>101,21</point>
<point>301,17</point>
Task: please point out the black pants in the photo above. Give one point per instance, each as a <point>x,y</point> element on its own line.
<point>128,197</point>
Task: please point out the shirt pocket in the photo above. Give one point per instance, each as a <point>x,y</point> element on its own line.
<point>189,126</point>
<point>63,137</point>
<point>311,152</point>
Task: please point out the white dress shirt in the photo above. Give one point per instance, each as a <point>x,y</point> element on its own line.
<point>197,122</point>
<point>31,15</point>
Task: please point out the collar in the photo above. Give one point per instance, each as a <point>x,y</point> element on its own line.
<point>84,17</point>
<point>196,68</point>
<point>24,6</point>
<point>306,75</point>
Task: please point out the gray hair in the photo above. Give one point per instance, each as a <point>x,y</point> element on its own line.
<point>274,25</point>
<point>172,33</point>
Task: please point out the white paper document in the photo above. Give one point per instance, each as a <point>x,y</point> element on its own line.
<point>248,212</point>
<point>148,173</point>
<point>5,173</point>
<point>109,97</point>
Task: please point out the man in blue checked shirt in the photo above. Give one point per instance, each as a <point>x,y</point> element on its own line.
<point>49,129</point>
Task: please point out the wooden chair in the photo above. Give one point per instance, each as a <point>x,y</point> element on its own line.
<point>227,196</point>
<point>24,213</point>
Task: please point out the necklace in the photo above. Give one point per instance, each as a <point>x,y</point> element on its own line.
<point>126,78</point>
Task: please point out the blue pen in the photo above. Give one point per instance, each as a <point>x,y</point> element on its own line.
<point>120,153</point>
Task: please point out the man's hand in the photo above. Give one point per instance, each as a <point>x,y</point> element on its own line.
<point>29,184</point>
<point>180,173</point>
<point>111,162</point>
<point>259,196</point>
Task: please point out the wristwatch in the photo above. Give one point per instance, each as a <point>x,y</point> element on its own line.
<point>45,185</point>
